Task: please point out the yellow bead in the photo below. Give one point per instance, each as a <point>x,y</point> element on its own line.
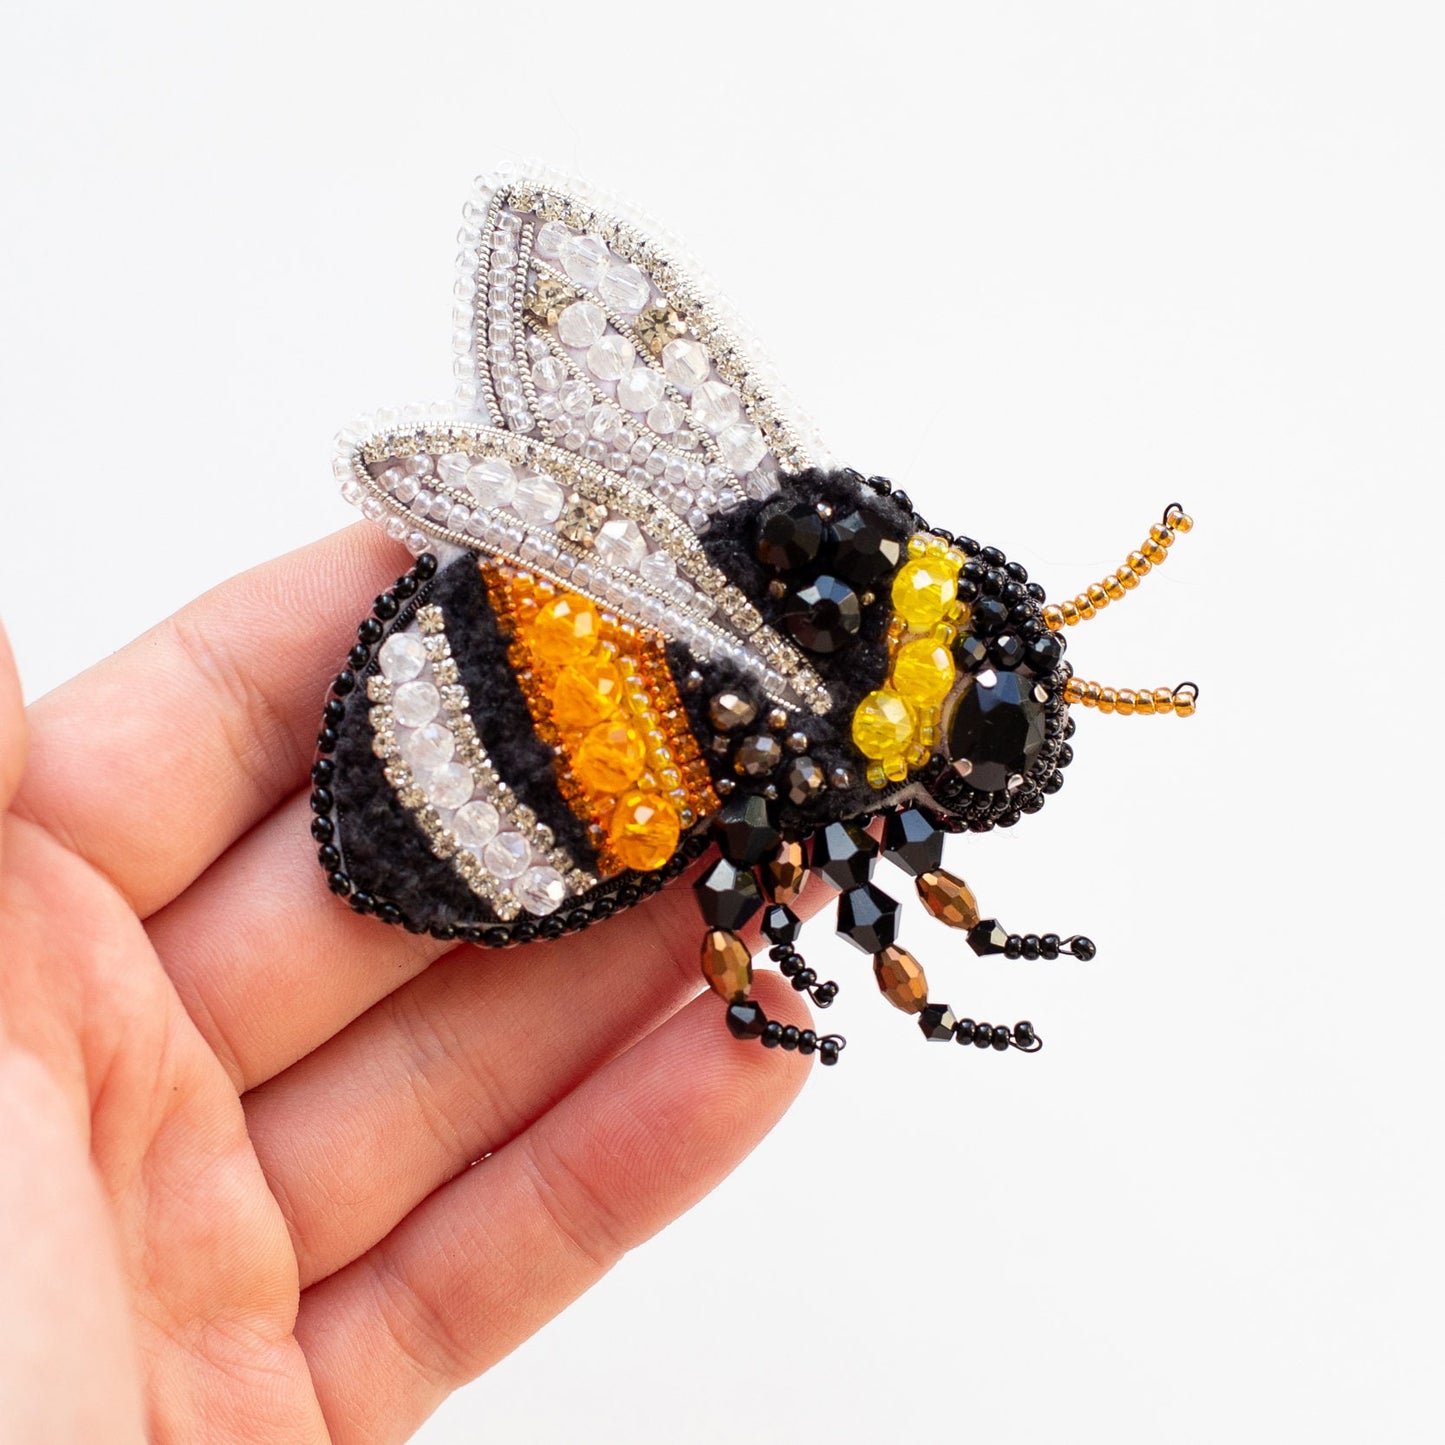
<point>923,591</point>
<point>564,630</point>
<point>923,671</point>
<point>883,724</point>
<point>586,695</point>
<point>609,758</point>
<point>644,831</point>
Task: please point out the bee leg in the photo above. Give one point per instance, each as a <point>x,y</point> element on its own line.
<point>912,842</point>
<point>746,1020</point>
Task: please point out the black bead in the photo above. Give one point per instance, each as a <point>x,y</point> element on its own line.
<point>386,606</point>
<point>1013,593</point>
<point>904,501</point>
<point>1053,783</point>
<point>986,936</point>
<point>744,831</point>
<point>1014,947</point>
<point>388,913</point>
<point>970,653</point>
<point>728,896</point>
<point>968,589</point>
<point>967,546</point>
<point>791,1035</point>
<point>1017,571</point>
<point>323,829</point>
<point>988,616</point>
<point>404,587</point>
<point>1032,946</point>
<point>828,1051</point>
<point>339,884</point>
<point>1000,1037</point>
<point>358,657</point>
<point>334,710</point>
<point>844,854</point>
<point>825,993</point>
<point>937,1022</point>
<point>1082,947</point>
<point>425,567</point>
<point>1044,654</point>
<point>363,903</point>
<point>1007,650</point>
<point>780,924</point>
<point>912,841</point>
<point>746,1020</point>
<point>322,800</point>
<point>328,857</point>
<point>343,683</point>
<point>868,918</point>
<point>790,537</point>
<point>862,554</point>
<point>370,632</point>
<point>1049,946</point>
<point>983,1036</point>
<point>997,730</point>
<point>824,615</point>
<point>772,1034</point>
<point>965,1032</point>
<point>1065,757</point>
<point>1070,728</point>
<point>1024,1034</point>
<point>803,980</point>
<point>322,770</point>
<point>807,1042</point>
<point>881,485</point>
<point>993,556</point>
<point>443,932</point>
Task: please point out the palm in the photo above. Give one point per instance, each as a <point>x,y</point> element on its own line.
<point>279,1100</point>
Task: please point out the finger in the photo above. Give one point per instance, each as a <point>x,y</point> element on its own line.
<point>200,727</point>
<point>12,726</point>
<point>451,1066</point>
<point>488,1259</point>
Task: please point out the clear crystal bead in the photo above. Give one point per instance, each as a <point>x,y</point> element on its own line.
<point>742,446</point>
<point>716,405</point>
<point>584,259</point>
<point>508,855</point>
<point>450,785</point>
<point>550,239</point>
<point>620,543</point>
<point>582,323</point>
<point>624,288</point>
<point>609,358</point>
<point>402,657</point>
<point>548,374</point>
<point>538,499</point>
<point>685,363</point>
<point>576,397</point>
<point>665,418</point>
<point>415,704</point>
<point>492,482</point>
<point>476,824</point>
<point>540,891</point>
<point>428,747</point>
<point>659,568</point>
<point>640,389</point>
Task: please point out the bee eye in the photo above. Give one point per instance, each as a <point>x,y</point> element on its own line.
<point>994,728</point>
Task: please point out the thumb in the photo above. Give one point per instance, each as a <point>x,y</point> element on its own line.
<point>13,733</point>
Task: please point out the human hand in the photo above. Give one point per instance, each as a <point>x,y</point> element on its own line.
<point>240,1119</point>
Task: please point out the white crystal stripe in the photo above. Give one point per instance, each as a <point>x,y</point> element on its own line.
<point>540,874</point>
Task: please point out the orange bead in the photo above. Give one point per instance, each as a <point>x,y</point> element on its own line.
<point>726,964</point>
<point>609,758</point>
<point>644,831</point>
<point>901,979</point>
<point>566,629</point>
<point>586,695</point>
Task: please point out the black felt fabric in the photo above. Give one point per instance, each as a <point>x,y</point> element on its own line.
<point>499,710</point>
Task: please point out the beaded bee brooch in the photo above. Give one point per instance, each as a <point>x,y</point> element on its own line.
<point>649,614</point>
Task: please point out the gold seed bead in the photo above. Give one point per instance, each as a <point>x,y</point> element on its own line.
<point>1086,608</point>
<point>1184,702</point>
<point>1154,552</point>
<point>1097,595</point>
<point>1181,521</point>
<point>1164,699</point>
<point>1112,587</point>
<point>1144,703</point>
<point>1139,562</point>
<point>1053,617</point>
<point>1163,535</point>
<point>1073,690</point>
<point>1125,705</point>
<point>1069,612</point>
<point>1091,694</point>
<point>1107,698</point>
<point>1128,577</point>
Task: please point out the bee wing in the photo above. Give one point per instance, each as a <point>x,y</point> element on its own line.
<point>579,324</point>
<point>456,486</point>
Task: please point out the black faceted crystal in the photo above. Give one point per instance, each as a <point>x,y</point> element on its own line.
<point>987,936</point>
<point>824,615</point>
<point>744,831</point>
<point>912,842</point>
<point>868,918</point>
<point>996,731</point>
<point>790,537</point>
<point>728,895</point>
<point>862,554</point>
<point>780,924</point>
<point>746,1019</point>
<point>937,1022</point>
<point>843,854</point>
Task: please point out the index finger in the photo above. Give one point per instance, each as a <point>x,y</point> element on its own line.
<point>153,762</point>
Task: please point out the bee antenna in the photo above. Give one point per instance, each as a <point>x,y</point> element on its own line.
<point>1146,702</point>
<point>1150,554</point>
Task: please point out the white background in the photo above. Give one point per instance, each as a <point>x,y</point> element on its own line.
<point>1051,266</point>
